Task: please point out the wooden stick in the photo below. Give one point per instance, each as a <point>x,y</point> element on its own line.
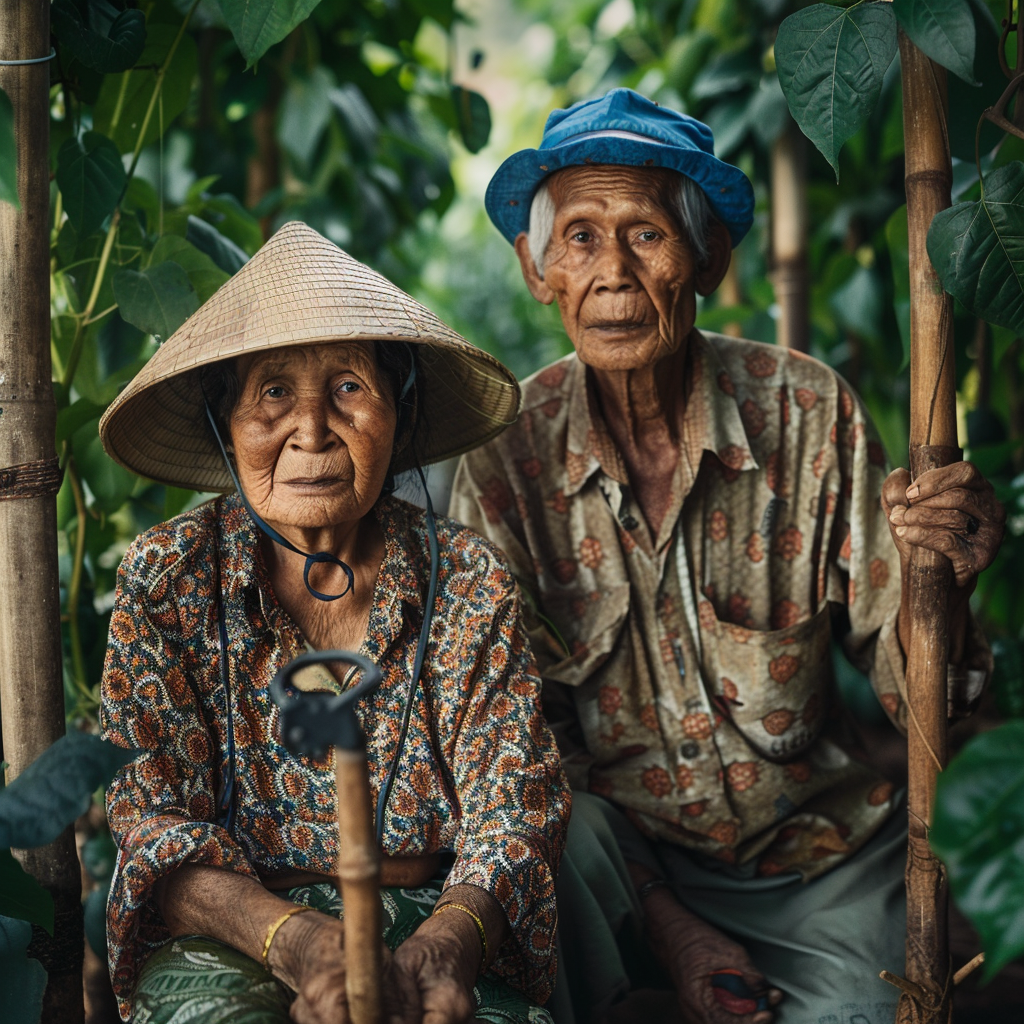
<point>31,682</point>
<point>933,442</point>
<point>359,874</point>
<point>789,237</point>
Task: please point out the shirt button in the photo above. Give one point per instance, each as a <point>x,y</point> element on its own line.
<point>689,750</point>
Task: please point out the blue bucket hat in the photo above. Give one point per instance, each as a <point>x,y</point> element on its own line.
<point>622,127</point>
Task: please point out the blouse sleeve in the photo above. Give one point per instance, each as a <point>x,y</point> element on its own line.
<point>514,799</point>
<point>161,806</point>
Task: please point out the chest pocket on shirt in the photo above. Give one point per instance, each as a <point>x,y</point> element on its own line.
<point>774,686</point>
<point>597,633</point>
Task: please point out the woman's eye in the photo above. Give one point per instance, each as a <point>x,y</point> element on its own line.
<point>648,236</point>
<point>348,386</point>
<point>277,391</point>
<point>581,236</point>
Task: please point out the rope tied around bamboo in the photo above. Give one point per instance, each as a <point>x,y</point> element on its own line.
<point>37,479</point>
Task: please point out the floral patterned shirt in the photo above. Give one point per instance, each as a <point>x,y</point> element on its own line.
<point>688,676</point>
<point>162,692</point>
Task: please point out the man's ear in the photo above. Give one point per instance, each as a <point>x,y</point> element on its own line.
<point>538,289</point>
<point>709,277</point>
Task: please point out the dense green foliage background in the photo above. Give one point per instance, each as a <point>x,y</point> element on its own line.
<point>184,133</point>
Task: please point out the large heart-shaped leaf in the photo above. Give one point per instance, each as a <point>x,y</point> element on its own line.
<point>8,153</point>
<point>22,980</point>
<point>100,36</point>
<point>977,249</point>
<point>158,300</point>
<point>258,24</point>
<point>943,29</point>
<point>21,896</point>
<point>978,831</point>
<point>207,239</point>
<point>203,274</point>
<point>90,176</point>
<point>128,99</point>
<point>831,62</point>
<point>56,788</point>
<point>474,118</point>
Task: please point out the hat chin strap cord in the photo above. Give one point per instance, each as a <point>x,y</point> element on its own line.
<point>311,560</point>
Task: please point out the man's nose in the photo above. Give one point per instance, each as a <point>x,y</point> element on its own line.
<point>614,269</point>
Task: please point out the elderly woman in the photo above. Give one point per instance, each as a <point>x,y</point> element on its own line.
<point>318,379</point>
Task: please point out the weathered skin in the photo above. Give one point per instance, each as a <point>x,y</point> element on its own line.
<point>312,435</point>
<point>626,279</point>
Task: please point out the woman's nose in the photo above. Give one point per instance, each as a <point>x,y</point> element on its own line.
<point>312,427</point>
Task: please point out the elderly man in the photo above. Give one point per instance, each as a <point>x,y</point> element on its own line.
<point>690,518</point>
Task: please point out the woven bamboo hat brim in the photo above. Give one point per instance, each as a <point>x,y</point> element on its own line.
<point>301,289</point>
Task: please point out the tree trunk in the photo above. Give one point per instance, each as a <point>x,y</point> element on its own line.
<point>933,442</point>
<point>31,683</point>
<point>789,238</point>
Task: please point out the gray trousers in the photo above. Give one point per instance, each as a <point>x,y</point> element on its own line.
<point>821,942</point>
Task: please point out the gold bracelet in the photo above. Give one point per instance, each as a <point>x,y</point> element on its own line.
<point>476,920</point>
<point>272,931</point>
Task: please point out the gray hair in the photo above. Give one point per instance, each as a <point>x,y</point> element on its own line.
<point>689,204</point>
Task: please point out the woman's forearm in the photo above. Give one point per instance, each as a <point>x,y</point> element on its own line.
<point>485,907</point>
<point>235,909</point>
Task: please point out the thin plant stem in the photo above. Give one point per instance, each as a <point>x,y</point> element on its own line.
<point>75,588</point>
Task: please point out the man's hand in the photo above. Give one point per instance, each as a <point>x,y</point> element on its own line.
<point>952,510</point>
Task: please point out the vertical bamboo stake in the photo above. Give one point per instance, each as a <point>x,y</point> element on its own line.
<point>31,683</point>
<point>789,237</point>
<point>933,443</point>
<point>359,873</point>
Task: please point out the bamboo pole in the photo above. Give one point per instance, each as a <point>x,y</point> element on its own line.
<point>359,875</point>
<point>933,443</point>
<point>789,237</point>
<point>31,682</point>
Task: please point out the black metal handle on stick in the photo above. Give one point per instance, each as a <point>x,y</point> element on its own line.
<point>311,723</point>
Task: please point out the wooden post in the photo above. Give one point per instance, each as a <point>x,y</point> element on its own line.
<point>933,443</point>
<point>359,875</point>
<point>31,682</point>
<point>789,237</point>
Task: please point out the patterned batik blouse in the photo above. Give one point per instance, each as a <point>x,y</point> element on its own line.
<point>688,676</point>
<point>162,692</point>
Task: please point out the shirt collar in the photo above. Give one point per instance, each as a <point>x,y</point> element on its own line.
<point>712,415</point>
<point>242,563</point>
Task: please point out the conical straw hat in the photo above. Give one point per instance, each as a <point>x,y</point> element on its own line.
<point>301,289</point>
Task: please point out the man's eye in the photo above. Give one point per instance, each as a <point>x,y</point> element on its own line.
<point>648,236</point>
<point>581,236</point>
<point>348,386</point>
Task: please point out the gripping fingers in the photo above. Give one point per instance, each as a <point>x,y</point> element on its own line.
<point>951,519</point>
<point>955,547</point>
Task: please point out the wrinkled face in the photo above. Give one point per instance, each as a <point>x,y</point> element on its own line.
<point>312,432</point>
<point>619,265</point>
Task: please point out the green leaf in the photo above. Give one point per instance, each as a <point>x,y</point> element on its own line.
<point>258,24</point>
<point>22,979</point>
<point>474,117</point>
<point>99,855</point>
<point>978,832</point>
<point>111,485</point>
<point>8,154</point>
<point>831,63</point>
<point>305,113</point>
<point>966,102</point>
<point>158,300</point>
<point>56,788</point>
<point>130,105</point>
<point>94,915</point>
<point>100,36</point>
<point>898,239</point>
<point>90,177</point>
<point>224,253</point>
<point>203,274</point>
<point>977,250</point>
<point>858,303</point>
<point>943,29</point>
<point>76,416</point>
<point>21,896</point>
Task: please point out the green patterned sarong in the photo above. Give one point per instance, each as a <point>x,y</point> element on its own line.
<point>202,981</point>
